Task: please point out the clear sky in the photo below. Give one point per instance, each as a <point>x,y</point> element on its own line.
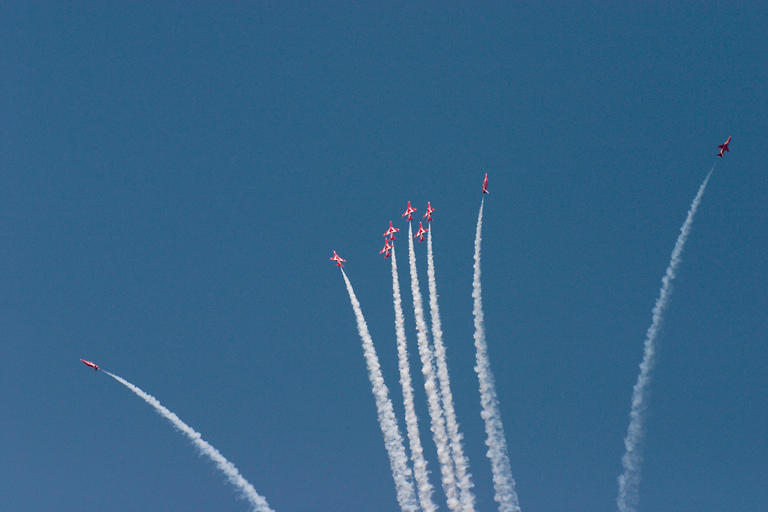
<point>174,177</point>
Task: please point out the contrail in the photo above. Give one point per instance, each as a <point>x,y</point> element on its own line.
<point>435,410</point>
<point>393,441</point>
<point>629,481</point>
<point>233,475</point>
<point>503,482</point>
<point>417,452</point>
<point>464,478</point>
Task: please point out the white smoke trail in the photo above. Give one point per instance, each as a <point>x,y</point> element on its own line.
<point>629,481</point>
<point>230,471</point>
<point>464,478</point>
<point>503,482</point>
<point>393,441</point>
<point>435,410</point>
<point>417,452</point>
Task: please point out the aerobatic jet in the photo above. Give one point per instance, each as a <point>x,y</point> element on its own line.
<point>420,232</point>
<point>408,212</point>
<point>428,215</point>
<point>485,184</point>
<point>724,147</point>
<point>92,365</point>
<point>387,248</point>
<point>390,231</point>
<point>338,259</point>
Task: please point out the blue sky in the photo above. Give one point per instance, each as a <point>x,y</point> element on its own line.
<point>175,177</point>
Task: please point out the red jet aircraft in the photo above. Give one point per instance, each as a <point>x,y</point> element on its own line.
<point>387,248</point>
<point>420,232</point>
<point>428,215</point>
<point>390,231</point>
<point>724,147</point>
<point>338,259</point>
<point>408,212</point>
<point>95,368</point>
<point>485,184</point>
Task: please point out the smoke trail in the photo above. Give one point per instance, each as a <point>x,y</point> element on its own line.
<point>629,481</point>
<point>503,482</point>
<point>233,475</point>
<point>417,452</point>
<point>393,441</point>
<point>435,410</point>
<point>464,478</point>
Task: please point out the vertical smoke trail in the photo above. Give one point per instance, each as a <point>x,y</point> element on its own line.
<point>393,441</point>
<point>503,482</point>
<point>435,410</point>
<point>233,475</point>
<point>464,478</point>
<point>629,481</point>
<point>417,452</point>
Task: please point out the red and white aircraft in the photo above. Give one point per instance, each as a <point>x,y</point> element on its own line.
<point>724,147</point>
<point>408,212</point>
<point>420,232</point>
<point>387,248</point>
<point>485,184</point>
<point>338,259</point>
<point>390,231</point>
<point>92,365</point>
<point>428,215</point>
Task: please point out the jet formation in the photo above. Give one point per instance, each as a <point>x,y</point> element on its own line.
<point>389,243</point>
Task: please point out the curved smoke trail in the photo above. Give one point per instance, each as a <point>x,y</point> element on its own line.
<point>435,410</point>
<point>417,452</point>
<point>503,482</point>
<point>464,478</point>
<point>629,481</point>
<point>393,441</point>
<point>230,471</point>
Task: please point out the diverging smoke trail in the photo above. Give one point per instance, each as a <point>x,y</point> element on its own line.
<point>417,452</point>
<point>393,441</point>
<point>230,471</point>
<point>463,477</point>
<point>629,481</point>
<point>433,399</point>
<point>503,482</point>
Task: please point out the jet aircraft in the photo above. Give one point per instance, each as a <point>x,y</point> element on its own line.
<point>724,147</point>
<point>338,259</point>
<point>390,231</point>
<point>92,365</point>
<point>428,215</point>
<point>485,184</point>
<point>408,212</point>
<point>420,232</point>
<point>387,248</point>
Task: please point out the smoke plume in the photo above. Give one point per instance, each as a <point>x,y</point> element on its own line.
<point>629,481</point>
<point>393,440</point>
<point>503,482</point>
<point>234,477</point>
